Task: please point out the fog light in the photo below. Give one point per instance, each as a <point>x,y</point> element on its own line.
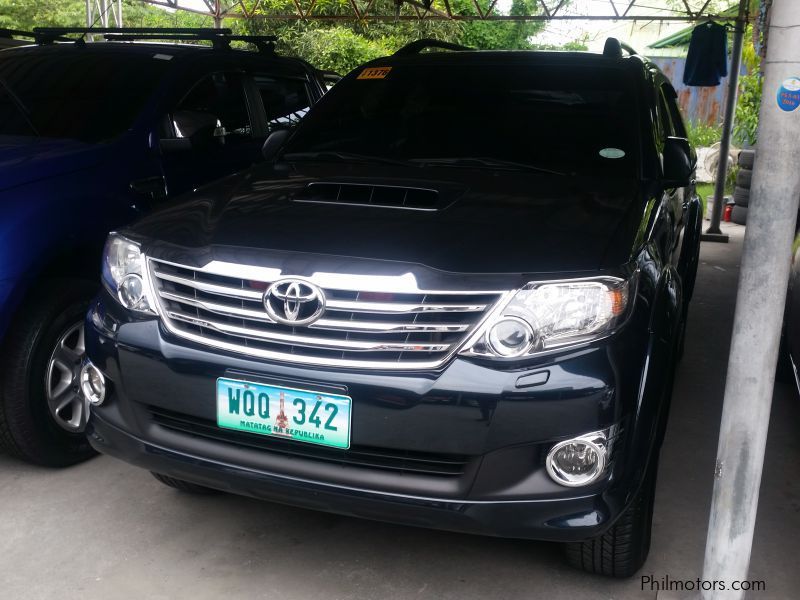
<point>510,337</point>
<point>578,461</point>
<point>131,291</point>
<point>93,384</point>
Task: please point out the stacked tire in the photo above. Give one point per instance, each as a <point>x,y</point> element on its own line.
<point>741,194</point>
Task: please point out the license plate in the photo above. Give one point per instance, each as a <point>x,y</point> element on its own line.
<point>289,413</point>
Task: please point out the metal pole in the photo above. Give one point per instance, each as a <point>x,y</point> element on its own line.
<point>714,233</point>
<point>759,313</point>
<point>217,15</point>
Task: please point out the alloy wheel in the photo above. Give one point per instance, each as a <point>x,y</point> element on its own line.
<point>62,383</point>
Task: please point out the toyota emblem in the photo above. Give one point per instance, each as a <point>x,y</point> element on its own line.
<point>294,302</point>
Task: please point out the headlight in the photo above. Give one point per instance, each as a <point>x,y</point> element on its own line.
<point>546,315</point>
<point>123,273</point>
<point>510,336</point>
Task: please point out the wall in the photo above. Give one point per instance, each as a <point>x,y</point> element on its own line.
<point>699,104</point>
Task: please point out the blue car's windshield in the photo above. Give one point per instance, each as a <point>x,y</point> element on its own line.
<point>72,93</point>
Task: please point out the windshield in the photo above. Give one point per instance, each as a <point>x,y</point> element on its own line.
<point>72,93</point>
<point>554,117</point>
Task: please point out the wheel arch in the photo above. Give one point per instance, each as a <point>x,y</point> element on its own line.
<point>78,261</point>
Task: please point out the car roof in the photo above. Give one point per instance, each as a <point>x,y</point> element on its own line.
<point>177,52</point>
<point>533,57</point>
<point>114,47</point>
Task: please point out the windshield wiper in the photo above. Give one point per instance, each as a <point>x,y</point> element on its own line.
<point>335,154</point>
<point>20,105</point>
<point>484,161</point>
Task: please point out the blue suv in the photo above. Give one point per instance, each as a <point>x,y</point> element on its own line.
<point>92,135</point>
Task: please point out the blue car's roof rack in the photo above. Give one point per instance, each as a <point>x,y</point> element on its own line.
<point>15,33</point>
<point>220,38</point>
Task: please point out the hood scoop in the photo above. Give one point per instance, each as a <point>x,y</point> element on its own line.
<point>360,194</point>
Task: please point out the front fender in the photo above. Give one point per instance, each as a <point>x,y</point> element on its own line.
<point>690,248</point>
<point>11,293</point>
<point>666,315</point>
<point>655,388</point>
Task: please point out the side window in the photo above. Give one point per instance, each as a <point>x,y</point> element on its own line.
<point>286,100</point>
<point>214,110</point>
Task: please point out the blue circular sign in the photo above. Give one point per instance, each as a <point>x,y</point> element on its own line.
<point>789,94</point>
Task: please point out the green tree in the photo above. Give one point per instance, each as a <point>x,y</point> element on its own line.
<point>343,45</point>
<point>499,35</point>
<point>139,14</point>
<point>334,45</point>
<point>713,6</point>
<point>748,103</point>
<point>27,14</point>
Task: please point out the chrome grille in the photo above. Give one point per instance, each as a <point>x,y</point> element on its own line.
<point>358,328</point>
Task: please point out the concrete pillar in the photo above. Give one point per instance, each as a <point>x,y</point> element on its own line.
<point>759,314</point>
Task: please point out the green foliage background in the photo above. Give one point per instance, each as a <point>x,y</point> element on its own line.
<point>342,46</point>
<point>27,14</point>
<point>745,124</point>
<point>702,135</point>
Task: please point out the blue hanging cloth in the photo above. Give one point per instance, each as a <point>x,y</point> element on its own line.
<point>707,60</point>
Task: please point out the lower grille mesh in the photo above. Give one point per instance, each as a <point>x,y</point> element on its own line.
<point>420,463</point>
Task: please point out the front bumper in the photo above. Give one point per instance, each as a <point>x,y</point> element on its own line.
<point>559,520</point>
<point>496,425</point>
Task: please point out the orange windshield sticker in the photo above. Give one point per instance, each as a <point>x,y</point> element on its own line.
<point>374,73</point>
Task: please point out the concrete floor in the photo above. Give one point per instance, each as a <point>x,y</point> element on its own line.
<point>107,530</point>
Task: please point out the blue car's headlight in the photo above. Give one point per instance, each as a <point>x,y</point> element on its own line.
<point>124,273</point>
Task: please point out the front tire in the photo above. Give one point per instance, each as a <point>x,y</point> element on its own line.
<point>622,550</point>
<point>41,409</point>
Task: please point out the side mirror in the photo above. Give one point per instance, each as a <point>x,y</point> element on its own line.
<point>274,143</point>
<point>194,129</point>
<point>679,162</point>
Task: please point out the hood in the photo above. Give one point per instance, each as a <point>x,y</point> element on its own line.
<point>25,159</point>
<point>483,222</point>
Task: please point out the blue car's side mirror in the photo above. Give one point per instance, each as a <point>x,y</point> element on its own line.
<point>274,143</point>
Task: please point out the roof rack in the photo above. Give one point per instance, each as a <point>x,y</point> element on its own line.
<point>219,38</point>
<point>419,45</point>
<point>14,33</point>
<point>9,33</point>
